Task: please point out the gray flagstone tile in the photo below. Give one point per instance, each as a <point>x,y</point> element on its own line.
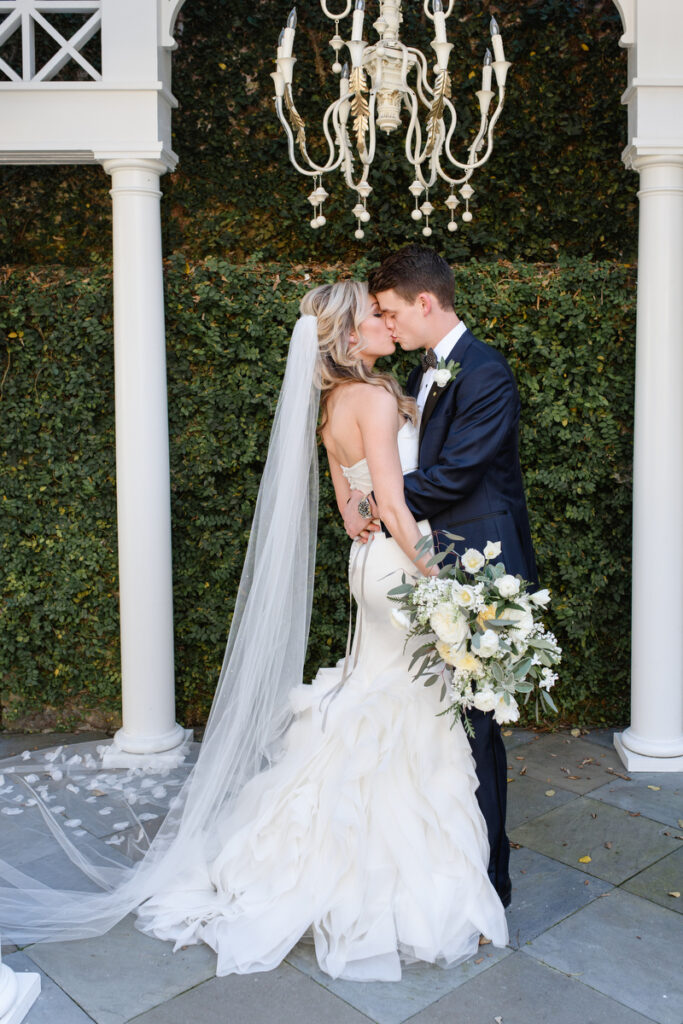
<point>544,892</point>
<point>656,882</point>
<point>53,1006</point>
<point>282,996</point>
<point>394,1002</point>
<point>521,991</point>
<point>656,795</point>
<point>526,797</point>
<point>603,737</point>
<point>515,737</point>
<point>568,763</point>
<point>618,844</point>
<point>91,971</point>
<point>626,948</point>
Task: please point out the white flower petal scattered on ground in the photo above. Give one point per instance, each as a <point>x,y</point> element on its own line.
<point>114,840</point>
<point>32,778</point>
<point>12,810</point>
<point>73,789</point>
<point>58,810</point>
<point>72,822</point>
<point>106,810</point>
<point>26,755</point>
<point>147,816</point>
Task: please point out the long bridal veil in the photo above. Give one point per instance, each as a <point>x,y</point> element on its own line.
<point>264,658</point>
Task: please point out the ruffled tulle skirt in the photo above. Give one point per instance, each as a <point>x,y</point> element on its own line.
<point>366,833</point>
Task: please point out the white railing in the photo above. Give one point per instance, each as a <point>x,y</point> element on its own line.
<point>24,16</point>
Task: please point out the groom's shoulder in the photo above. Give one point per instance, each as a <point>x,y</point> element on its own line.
<point>478,353</point>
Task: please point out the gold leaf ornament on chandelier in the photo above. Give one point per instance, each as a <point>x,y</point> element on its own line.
<point>374,92</point>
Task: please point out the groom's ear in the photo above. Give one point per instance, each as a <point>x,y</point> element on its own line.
<point>425,302</point>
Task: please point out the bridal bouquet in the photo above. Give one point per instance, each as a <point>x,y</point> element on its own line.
<point>485,627</point>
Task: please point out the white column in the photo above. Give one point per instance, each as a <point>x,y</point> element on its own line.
<point>142,462</point>
<point>654,740</point>
<point>18,993</point>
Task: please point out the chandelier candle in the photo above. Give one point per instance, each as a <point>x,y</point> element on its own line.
<point>389,85</point>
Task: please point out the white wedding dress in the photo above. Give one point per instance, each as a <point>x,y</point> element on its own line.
<point>366,832</point>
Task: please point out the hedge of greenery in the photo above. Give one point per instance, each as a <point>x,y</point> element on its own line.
<point>555,183</point>
<point>566,329</point>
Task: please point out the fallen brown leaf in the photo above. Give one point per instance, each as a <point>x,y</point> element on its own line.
<point>483,941</point>
<point>523,771</point>
<point>594,814</point>
<point>550,792</point>
<point>585,860</point>
<point>676,895</point>
<point>575,732</point>
<point>634,814</point>
<point>480,960</point>
<point>608,846</point>
<point>680,822</point>
<point>519,757</point>
<point>626,778</point>
<point>654,787</point>
<point>515,846</point>
<point>575,777</point>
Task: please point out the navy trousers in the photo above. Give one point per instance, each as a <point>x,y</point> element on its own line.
<point>491,763</point>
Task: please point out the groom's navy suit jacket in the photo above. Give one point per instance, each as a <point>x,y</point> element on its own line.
<point>469,480</point>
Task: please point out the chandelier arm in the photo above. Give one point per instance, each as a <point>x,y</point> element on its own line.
<point>370,153</point>
<point>314,169</point>
<point>424,89</point>
<point>414,129</point>
<point>491,125</point>
<point>336,17</point>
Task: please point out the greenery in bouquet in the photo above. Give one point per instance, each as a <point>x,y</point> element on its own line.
<point>486,641</point>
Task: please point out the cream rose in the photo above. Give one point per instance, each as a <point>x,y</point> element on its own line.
<point>448,623</point>
<point>485,700</point>
<point>464,661</point>
<point>472,560</point>
<point>507,586</point>
<point>488,644</point>
<point>492,549</point>
<point>504,712</point>
<point>442,377</point>
<point>540,598</point>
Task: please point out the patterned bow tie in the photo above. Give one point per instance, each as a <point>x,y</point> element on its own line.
<point>428,360</point>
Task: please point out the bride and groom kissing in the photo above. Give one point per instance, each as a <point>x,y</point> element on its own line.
<point>348,810</point>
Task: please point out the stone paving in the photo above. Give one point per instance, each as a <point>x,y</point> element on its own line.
<point>596,932</point>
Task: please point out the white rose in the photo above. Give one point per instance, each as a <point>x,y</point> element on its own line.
<point>522,618</point>
<point>485,700</point>
<point>400,620</point>
<point>442,377</point>
<point>448,623</point>
<point>472,560</point>
<point>492,549</point>
<point>504,712</point>
<point>488,644</point>
<point>540,598</point>
<point>465,596</point>
<point>507,586</point>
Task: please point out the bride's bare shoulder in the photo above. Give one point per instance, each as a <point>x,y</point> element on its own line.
<point>361,397</point>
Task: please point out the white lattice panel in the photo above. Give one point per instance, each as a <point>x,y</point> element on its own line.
<point>21,18</point>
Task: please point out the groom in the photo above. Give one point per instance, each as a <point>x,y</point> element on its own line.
<point>469,479</point>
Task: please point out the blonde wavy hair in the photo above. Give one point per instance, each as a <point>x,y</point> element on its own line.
<point>341,308</point>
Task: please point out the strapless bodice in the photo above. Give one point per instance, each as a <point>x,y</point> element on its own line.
<point>358,475</point>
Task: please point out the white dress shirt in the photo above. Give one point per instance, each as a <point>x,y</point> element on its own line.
<point>440,351</point>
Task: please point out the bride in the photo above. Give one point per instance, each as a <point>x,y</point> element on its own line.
<point>345,809</point>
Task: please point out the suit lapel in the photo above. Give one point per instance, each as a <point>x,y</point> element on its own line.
<point>436,392</point>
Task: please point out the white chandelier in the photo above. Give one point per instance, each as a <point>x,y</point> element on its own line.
<point>388,62</point>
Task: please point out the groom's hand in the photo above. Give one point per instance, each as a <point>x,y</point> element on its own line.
<point>354,524</point>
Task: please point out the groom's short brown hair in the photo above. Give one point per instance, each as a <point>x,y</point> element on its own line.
<point>412,270</point>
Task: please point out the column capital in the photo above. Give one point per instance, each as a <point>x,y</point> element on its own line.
<point>132,163</point>
<point>643,153</point>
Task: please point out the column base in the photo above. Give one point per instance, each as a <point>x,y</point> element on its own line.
<point>149,754</point>
<point>26,988</point>
<point>643,762</point>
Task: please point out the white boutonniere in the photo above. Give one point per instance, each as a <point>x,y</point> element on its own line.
<point>445,372</point>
